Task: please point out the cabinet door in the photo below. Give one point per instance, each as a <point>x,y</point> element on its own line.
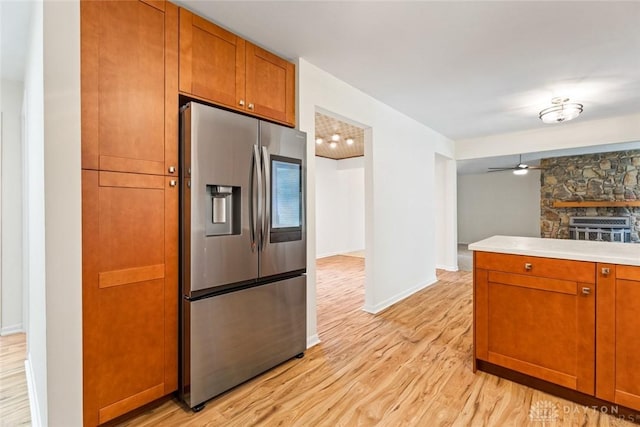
<point>123,54</point>
<point>129,291</point>
<point>618,342</point>
<point>539,326</point>
<point>212,62</point>
<point>270,86</point>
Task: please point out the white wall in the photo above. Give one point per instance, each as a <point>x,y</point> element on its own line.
<point>399,188</point>
<point>445,213</point>
<point>578,133</point>
<point>339,206</point>
<point>498,203</point>
<point>63,218</point>
<point>33,222</point>
<point>11,216</point>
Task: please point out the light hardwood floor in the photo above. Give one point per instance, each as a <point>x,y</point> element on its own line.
<point>410,365</point>
<point>14,399</point>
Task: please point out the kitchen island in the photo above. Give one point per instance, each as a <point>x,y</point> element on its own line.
<point>560,315</point>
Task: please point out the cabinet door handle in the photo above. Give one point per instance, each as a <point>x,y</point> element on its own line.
<point>241,102</point>
<point>172,169</point>
<point>586,291</point>
<point>605,271</point>
<point>250,106</point>
<point>528,266</point>
<point>172,183</point>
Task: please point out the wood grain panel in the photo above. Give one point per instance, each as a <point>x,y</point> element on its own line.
<point>124,293</point>
<point>481,307</point>
<point>580,271</point>
<point>211,61</point>
<point>90,296</point>
<point>171,102</point>
<point>606,332</point>
<point>130,275</point>
<point>122,164</point>
<point>131,86</point>
<point>89,84</point>
<point>628,272</point>
<point>556,377</point>
<point>532,282</point>
<point>270,85</point>
<point>538,326</point>
<point>128,180</point>
<point>171,291</point>
<point>627,346</point>
<point>132,402</point>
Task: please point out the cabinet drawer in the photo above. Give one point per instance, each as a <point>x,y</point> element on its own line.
<point>579,271</point>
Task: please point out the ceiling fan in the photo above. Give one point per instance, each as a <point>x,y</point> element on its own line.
<point>519,169</point>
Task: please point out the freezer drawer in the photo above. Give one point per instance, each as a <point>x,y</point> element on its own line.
<point>236,336</point>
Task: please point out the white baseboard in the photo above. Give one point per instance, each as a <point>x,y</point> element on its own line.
<point>346,251</point>
<point>34,407</point>
<point>13,329</point>
<point>399,297</point>
<point>447,267</point>
<point>313,340</point>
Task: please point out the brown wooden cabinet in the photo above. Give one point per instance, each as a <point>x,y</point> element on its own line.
<point>222,68</point>
<point>125,58</point>
<point>618,341</point>
<point>536,316</point>
<point>130,295</point>
<point>129,69</point>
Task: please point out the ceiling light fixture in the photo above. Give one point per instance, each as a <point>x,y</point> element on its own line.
<point>333,144</point>
<point>319,141</point>
<point>520,171</point>
<point>335,137</point>
<point>561,111</point>
<point>350,141</point>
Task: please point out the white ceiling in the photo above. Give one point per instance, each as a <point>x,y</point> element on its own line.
<point>465,69</point>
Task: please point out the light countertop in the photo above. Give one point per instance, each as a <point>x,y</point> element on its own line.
<point>579,250</point>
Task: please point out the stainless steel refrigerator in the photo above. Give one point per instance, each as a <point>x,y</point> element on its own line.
<point>243,249</point>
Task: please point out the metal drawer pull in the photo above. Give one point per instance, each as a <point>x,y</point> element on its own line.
<point>172,169</point>
<point>586,291</point>
<point>172,183</point>
<point>605,271</point>
<point>241,102</point>
<point>528,266</point>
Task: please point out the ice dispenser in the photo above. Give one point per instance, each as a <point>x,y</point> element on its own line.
<point>223,210</point>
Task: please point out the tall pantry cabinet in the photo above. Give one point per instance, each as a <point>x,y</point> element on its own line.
<point>129,85</point>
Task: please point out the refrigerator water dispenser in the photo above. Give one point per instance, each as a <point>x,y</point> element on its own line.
<point>222,213</point>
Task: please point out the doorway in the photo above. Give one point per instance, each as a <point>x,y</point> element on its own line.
<point>340,205</point>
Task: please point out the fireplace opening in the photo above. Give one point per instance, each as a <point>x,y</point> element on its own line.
<point>600,228</point>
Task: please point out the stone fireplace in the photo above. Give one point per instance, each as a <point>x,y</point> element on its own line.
<point>610,180</point>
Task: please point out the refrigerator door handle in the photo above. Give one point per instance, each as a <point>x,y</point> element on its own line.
<point>255,201</point>
<point>266,217</point>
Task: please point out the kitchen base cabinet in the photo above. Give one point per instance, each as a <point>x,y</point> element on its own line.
<point>129,292</point>
<point>566,323</point>
<point>618,340</point>
<point>533,317</point>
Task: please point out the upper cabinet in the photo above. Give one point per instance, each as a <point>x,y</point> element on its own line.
<point>124,57</point>
<point>222,68</point>
<point>270,85</point>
